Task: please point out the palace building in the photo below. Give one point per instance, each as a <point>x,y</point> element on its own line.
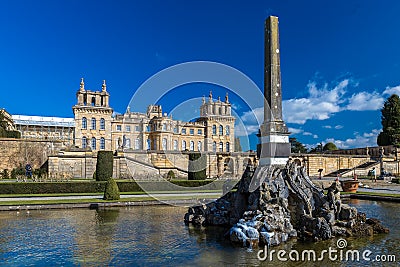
<point>96,126</point>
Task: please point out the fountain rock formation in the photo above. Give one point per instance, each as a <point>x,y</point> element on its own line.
<point>284,204</point>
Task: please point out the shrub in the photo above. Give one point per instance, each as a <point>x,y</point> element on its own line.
<point>17,171</point>
<point>104,165</point>
<point>5,174</point>
<point>170,175</point>
<point>197,167</point>
<point>112,191</point>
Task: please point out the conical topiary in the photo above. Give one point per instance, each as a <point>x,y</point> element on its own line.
<point>112,191</point>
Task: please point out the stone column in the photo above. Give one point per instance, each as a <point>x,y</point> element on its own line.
<point>274,146</point>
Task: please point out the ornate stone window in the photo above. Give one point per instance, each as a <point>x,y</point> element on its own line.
<point>214,129</point>
<point>148,144</point>
<point>183,145</point>
<point>175,144</point>
<point>227,147</point>
<point>84,123</point>
<point>93,126</point>
<point>84,142</point>
<point>221,130</point>
<point>102,124</point>
<point>214,146</point>
<point>93,143</point>
<point>221,146</point>
<point>102,143</point>
<point>199,145</point>
<point>191,146</point>
<point>227,130</point>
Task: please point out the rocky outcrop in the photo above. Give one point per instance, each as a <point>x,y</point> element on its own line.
<point>270,205</point>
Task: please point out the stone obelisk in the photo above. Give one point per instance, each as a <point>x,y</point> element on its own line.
<point>274,148</point>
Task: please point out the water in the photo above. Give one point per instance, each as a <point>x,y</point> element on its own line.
<point>155,236</point>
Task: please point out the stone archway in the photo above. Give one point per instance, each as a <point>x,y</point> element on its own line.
<point>229,166</point>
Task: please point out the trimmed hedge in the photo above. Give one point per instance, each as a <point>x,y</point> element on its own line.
<point>98,187</point>
<point>104,165</point>
<point>111,192</point>
<point>197,167</point>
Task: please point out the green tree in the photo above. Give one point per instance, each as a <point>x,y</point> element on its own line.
<point>197,166</point>
<point>390,120</point>
<point>329,147</point>
<point>111,191</point>
<point>296,146</point>
<point>104,165</point>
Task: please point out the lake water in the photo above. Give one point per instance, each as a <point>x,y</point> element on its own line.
<point>156,236</point>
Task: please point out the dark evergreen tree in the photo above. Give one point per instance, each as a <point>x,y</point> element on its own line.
<point>104,165</point>
<point>197,166</point>
<point>390,120</point>
<point>296,146</point>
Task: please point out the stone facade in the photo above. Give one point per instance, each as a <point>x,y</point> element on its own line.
<point>17,152</point>
<point>149,165</point>
<point>93,117</point>
<point>97,128</point>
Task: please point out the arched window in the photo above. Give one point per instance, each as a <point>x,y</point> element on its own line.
<point>127,143</point>
<point>221,146</point>
<point>214,129</point>
<point>93,143</point>
<point>164,143</point>
<point>148,144</point>
<point>183,145</point>
<point>102,124</point>
<point>93,101</point>
<point>164,127</point>
<point>84,123</point>
<point>199,145</point>
<point>154,144</point>
<point>102,143</point>
<point>215,147</point>
<point>137,143</point>
<point>221,130</point>
<point>227,147</point>
<point>175,144</point>
<point>191,146</point>
<point>84,142</point>
<point>93,124</point>
<point>227,130</point>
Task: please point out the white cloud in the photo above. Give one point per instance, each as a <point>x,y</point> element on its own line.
<point>320,105</point>
<point>337,127</point>
<point>327,126</point>
<point>359,140</point>
<point>307,133</point>
<point>365,101</point>
<point>315,136</point>
<point>392,90</point>
<point>254,116</point>
<point>295,130</point>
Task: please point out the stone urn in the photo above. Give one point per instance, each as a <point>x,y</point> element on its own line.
<point>349,185</point>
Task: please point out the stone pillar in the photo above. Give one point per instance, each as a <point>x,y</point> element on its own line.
<point>274,146</point>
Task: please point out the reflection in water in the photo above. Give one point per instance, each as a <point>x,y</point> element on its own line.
<point>153,236</point>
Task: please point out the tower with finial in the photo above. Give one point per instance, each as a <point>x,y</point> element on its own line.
<point>220,123</point>
<point>92,115</point>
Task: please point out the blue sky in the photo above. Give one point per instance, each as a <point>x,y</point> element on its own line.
<point>339,59</point>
